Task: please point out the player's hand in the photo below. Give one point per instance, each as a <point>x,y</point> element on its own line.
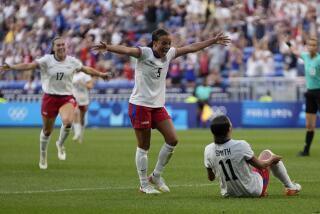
<point>107,75</point>
<point>275,159</point>
<point>100,47</point>
<point>221,39</point>
<point>4,67</point>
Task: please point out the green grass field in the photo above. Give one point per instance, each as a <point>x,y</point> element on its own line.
<point>99,175</point>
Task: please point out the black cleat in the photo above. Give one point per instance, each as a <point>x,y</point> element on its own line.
<point>303,154</point>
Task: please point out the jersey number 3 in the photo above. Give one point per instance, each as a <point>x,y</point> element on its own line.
<point>226,175</point>
<point>59,76</point>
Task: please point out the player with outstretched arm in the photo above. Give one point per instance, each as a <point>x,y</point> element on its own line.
<point>57,70</point>
<point>311,59</point>
<point>146,104</point>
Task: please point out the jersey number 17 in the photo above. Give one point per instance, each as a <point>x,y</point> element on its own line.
<point>59,76</point>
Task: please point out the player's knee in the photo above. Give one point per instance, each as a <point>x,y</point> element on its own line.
<point>265,154</point>
<point>67,122</point>
<point>173,142</point>
<point>47,132</point>
<point>310,127</point>
<point>68,126</point>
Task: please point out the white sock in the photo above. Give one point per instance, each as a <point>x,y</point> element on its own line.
<point>81,132</point>
<point>77,129</point>
<point>163,158</point>
<point>142,166</point>
<point>64,132</point>
<point>44,140</point>
<point>280,172</point>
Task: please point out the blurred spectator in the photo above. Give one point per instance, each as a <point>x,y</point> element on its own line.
<point>202,93</point>
<point>255,27</point>
<point>2,99</point>
<point>266,97</point>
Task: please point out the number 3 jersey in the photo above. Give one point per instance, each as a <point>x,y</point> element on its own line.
<point>56,76</point>
<point>228,162</point>
<point>150,78</point>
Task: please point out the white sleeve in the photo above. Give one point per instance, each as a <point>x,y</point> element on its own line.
<point>87,78</point>
<point>171,53</point>
<point>77,63</point>
<point>43,61</point>
<point>246,150</point>
<point>144,52</point>
<point>207,162</point>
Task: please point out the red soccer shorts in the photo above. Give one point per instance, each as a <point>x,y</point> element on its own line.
<point>52,103</point>
<point>265,176</point>
<point>145,117</point>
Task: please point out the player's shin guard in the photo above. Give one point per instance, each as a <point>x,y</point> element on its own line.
<point>64,132</point>
<point>44,140</point>
<point>163,158</point>
<point>280,172</point>
<point>142,166</point>
<point>77,129</point>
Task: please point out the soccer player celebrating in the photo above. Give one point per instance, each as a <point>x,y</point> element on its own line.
<point>146,104</point>
<point>82,83</point>
<point>312,75</point>
<point>57,70</point>
<point>231,160</point>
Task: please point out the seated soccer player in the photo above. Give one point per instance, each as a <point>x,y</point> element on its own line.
<point>240,172</point>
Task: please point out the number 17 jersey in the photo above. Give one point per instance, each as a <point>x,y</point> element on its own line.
<point>228,162</point>
<point>150,78</point>
<point>56,76</point>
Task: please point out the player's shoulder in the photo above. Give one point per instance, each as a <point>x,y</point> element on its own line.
<point>209,147</point>
<point>71,58</point>
<point>304,54</point>
<point>240,143</point>
<point>147,51</point>
<point>46,57</point>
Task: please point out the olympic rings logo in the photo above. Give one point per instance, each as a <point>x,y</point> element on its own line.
<point>17,113</point>
<point>219,110</point>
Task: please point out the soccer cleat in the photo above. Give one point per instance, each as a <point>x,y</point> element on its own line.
<point>43,160</point>
<point>293,190</point>
<point>303,154</point>
<point>159,182</point>
<point>149,190</point>
<point>61,151</point>
<point>77,139</point>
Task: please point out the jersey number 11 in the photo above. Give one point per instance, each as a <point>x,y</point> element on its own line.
<point>226,175</point>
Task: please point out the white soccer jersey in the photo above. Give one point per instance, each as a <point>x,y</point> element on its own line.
<point>228,162</point>
<point>150,78</point>
<point>80,91</point>
<point>56,76</point>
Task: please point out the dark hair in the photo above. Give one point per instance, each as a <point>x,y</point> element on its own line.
<point>52,44</point>
<point>220,127</point>
<point>157,34</point>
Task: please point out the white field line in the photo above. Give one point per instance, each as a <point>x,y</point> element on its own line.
<point>95,188</point>
<point>118,188</point>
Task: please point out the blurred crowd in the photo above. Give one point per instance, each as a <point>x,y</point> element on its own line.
<point>257,29</point>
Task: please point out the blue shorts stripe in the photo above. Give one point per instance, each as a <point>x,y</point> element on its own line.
<point>134,111</point>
